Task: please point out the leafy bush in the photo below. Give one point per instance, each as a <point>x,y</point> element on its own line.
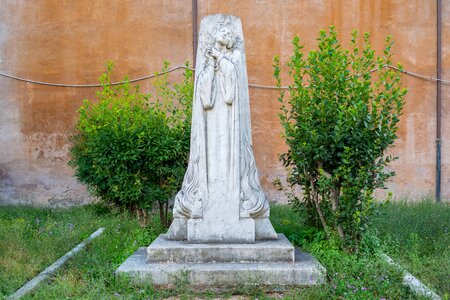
<point>361,275</point>
<point>339,120</point>
<point>130,148</point>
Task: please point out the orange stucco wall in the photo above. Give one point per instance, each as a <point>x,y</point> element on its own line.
<point>70,41</point>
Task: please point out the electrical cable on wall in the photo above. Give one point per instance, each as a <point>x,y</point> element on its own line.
<point>252,85</point>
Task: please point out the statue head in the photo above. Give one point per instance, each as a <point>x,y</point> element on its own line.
<point>225,37</point>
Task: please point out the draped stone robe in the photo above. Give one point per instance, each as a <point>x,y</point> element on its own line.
<point>217,89</point>
<point>221,199</point>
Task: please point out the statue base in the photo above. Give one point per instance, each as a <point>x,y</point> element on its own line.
<point>272,262</point>
<point>245,231</point>
<point>204,231</point>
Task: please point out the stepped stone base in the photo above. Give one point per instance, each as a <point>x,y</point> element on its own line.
<point>164,250</point>
<point>267,263</point>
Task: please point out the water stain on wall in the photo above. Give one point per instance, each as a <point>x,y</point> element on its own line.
<point>70,42</point>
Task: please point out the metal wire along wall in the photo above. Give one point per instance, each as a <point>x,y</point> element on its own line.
<point>252,85</point>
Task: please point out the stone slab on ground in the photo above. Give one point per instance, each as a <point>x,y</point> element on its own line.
<point>164,250</point>
<point>305,270</point>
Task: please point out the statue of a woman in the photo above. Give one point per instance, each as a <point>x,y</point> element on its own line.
<point>221,199</point>
<point>217,89</point>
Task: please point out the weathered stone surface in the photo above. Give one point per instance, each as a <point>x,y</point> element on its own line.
<point>304,271</point>
<point>178,230</point>
<point>221,195</point>
<point>206,230</point>
<point>263,229</point>
<point>164,250</point>
<point>221,233</point>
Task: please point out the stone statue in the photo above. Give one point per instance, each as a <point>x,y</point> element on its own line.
<point>221,210</point>
<point>221,199</point>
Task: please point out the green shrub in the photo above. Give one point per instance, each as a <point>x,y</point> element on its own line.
<point>362,275</point>
<point>130,148</point>
<point>339,120</point>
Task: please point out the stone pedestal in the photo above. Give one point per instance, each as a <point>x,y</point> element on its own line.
<point>274,262</point>
<point>210,231</point>
<point>167,251</point>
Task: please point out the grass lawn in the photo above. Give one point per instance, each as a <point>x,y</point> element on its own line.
<point>31,239</point>
<point>417,236</point>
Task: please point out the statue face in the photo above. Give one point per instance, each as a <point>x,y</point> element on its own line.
<point>224,36</point>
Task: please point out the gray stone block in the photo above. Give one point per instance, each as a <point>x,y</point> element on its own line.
<point>228,230</point>
<point>164,250</point>
<point>305,270</point>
